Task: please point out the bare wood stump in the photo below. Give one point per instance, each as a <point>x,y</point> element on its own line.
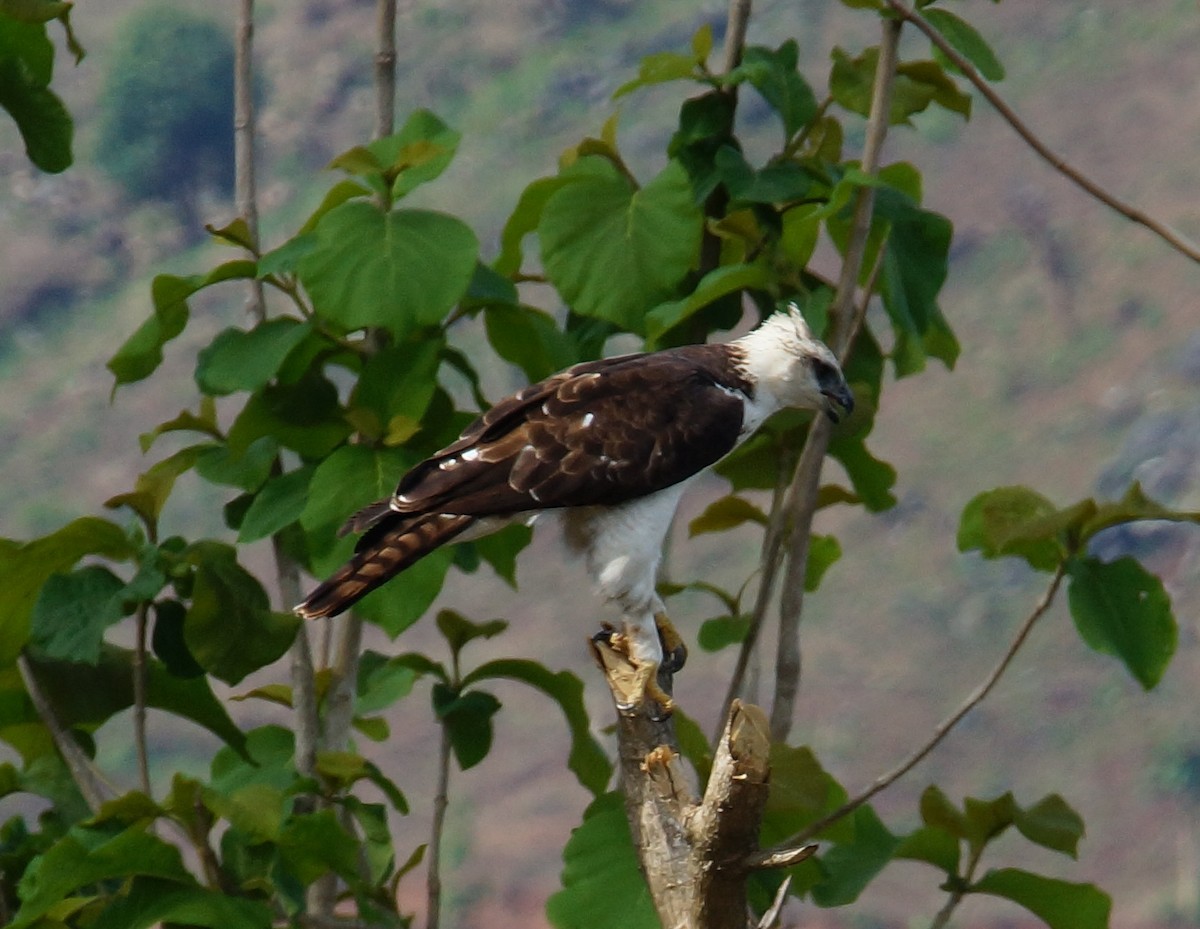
<point>695,852</point>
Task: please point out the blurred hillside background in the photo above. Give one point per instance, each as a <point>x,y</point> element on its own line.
<point>1080,371</point>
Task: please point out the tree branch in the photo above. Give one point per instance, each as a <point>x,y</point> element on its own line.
<point>1175,239</point>
<point>842,328</point>
<point>735,34</point>
<point>692,851</point>
<point>385,68</point>
<point>90,782</point>
<point>245,185</point>
<point>139,699</point>
<point>441,800</point>
<point>973,700</point>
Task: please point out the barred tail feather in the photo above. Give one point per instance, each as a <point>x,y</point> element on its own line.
<point>387,549</point>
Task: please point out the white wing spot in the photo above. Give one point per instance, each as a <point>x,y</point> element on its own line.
<point>470,454</point>
<point>588,419</point>
<point>534,494</point>
<point>447,464</point>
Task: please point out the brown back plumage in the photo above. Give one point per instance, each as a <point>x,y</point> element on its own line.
<point>393,543</point>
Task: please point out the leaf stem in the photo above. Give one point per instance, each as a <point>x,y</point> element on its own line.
<point>973,700</point>
<point>1173,238</point>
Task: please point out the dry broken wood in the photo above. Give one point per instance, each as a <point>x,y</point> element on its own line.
<point>695,852</point>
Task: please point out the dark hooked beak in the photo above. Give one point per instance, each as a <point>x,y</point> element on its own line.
<point>839,401</point>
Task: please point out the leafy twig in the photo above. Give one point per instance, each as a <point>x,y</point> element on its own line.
<point>942,919</point>
<point>973,700</point>
<point>1176,240</point>
<point>807,478</point>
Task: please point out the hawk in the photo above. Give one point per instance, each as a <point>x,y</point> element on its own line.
<point>612,445</point>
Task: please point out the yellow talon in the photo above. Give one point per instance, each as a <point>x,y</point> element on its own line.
<point>674,649</point>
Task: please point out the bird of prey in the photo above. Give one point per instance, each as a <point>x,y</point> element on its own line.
<point>612,445</point>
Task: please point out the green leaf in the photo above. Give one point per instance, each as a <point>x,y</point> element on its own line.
<point>917,85</point>
<point>801,793</point>
<point>399,382</point>
<point>722,631</point>
<point>87,857</point>
<point>587,759</point>
<point>27,567</point>
<point>248,468</point>
<point>468,721</point>
<point>872,479</point>
<point>660,68</point>
<point>458,630</point>
<point>967,41</point>
<point>204,422</point>
<point>528,338</point>
<point>305,417</point>
<point>1121,609</point>
<point>938,812</point>
<point>602,887</point>
<point>73,611</point>
<point>718,283</point>
<point>915,265</point>
<point>823,551</point>
<point>279,504</point>
<point>43,120</point>
<point>525,218</point>
<point>27,43</point>
<point>418,153</point>
<point>997,523</point>
<point>167,640</point>
<point>1052,824</point>
<point>152,902</point>
<point>988,819</point>
<point>312,844</point>
<point>614,251</point>
<point>153,486</point>
<point>1060,904</point>
<point>725,514</point>
<point>933,846</point>
<point>239,360</point>
<point>141,353</point>
<point>381,682</point>
<point>230,628</point>
<point>773,74</point>
<point>500,550</point>
<point>850,866</point>
<point>401,270</point>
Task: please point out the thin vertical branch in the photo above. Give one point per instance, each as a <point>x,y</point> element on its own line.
<point>385,68</point>
<point>806,481</point>
<point>441,801</point>
<point>139,699</point>
<point>245,182</point>
<point>735,34</point>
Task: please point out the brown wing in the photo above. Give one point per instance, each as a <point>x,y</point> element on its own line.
<point>599,433</point>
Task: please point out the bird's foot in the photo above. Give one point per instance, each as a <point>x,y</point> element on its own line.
<point>640,685</point>
<point>675,652</point>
